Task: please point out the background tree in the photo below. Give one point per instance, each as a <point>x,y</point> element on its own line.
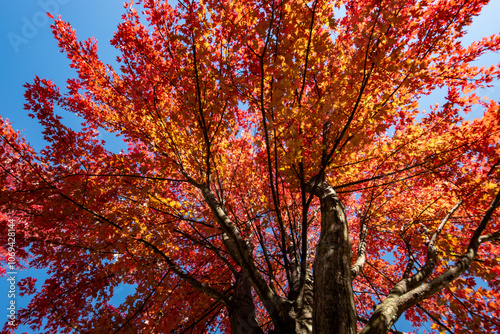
<point>280,176</point>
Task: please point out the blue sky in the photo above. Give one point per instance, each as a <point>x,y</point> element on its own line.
<point>27,48</point>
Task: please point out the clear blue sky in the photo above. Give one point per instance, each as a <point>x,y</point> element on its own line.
<point>28,49</point>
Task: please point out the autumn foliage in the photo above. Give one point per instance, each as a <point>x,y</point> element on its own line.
<point>281,175</point>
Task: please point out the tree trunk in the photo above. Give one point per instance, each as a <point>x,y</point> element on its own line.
<point>242,309</point>
<point>334,310</point>
<point>303,299</point>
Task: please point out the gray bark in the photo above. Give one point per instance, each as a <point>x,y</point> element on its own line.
<point>334,310</point>
<point>410,291</point>
<point>279,309</point>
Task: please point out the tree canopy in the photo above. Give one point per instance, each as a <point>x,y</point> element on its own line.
<point>280,177</point>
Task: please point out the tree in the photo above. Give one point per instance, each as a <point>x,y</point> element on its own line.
<point>280,174</point>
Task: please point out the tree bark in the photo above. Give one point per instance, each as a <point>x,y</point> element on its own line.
<point>242,309</point>
<point>302,297</point>
<point>410,291</point>
<point>334,310</point>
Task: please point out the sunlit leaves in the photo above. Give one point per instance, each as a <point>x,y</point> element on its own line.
<point>253,99</point>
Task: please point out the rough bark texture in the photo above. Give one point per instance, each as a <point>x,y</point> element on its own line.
<point>242,309</point>
<point>302,296</point>
<point>334,310</point>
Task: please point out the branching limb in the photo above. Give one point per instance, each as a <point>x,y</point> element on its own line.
<point>361,259</point>
<point>200,286</point>
<point>409,292</point>
<point>427,289</point>
<point>407,284</point>
<point>243,256</point>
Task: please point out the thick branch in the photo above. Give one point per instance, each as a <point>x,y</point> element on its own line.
<point>426,290</point>
<point>490,237</point>
<point>334,310</point>
<point>242,308</point>
<point>409,283</point>
<point>410,292</point>
<point>243,256</point>
<point>361,259</point>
